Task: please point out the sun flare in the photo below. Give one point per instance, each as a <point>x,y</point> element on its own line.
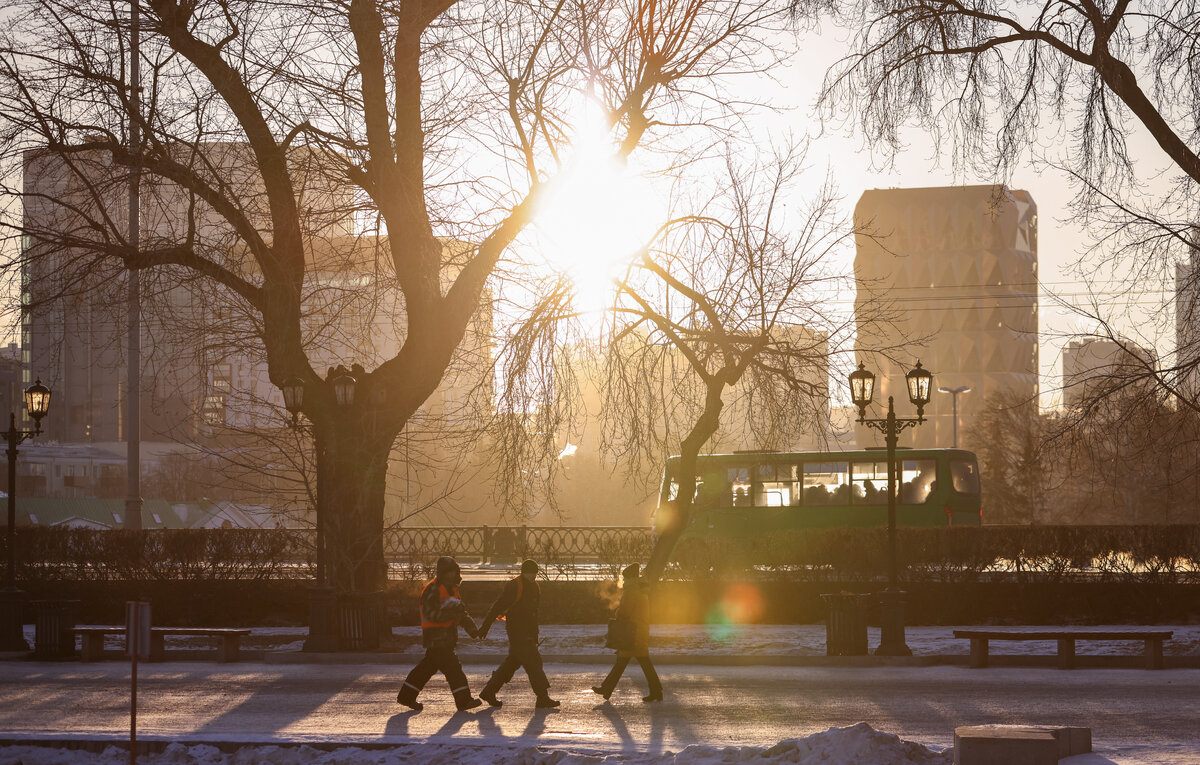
<point>599,214</point>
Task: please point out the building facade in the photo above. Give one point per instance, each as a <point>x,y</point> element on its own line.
<point>1099,367</point>
<point>1187,320</point>
<point>947,275</point>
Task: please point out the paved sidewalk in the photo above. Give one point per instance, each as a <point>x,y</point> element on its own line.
<point>1135,715</point>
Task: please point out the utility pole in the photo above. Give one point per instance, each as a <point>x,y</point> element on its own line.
<point>133,373</point>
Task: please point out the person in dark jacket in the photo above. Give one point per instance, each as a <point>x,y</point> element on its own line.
<point>635,608</point>
<point>442,612</point>
<point>518,607</point>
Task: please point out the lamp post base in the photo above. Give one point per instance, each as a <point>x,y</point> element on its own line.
<point>322,620</point>
<point>891,624</point>
<point>12,630</point>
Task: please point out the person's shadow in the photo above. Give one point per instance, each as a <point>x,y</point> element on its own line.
<point>619,727</point>
<point>397,724</point>
<point>537,723</point>
<point>456,721</point>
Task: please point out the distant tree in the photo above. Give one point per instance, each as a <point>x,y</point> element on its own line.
<point>731,308</point>
<point>448,121</point>
<point>1016,472</point>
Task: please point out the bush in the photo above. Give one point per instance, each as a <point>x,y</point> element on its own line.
<point>1166,554</point>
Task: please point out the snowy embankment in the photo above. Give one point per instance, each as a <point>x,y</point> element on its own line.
<point>854,745</point>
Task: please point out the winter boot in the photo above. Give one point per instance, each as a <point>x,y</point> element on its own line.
<point>544,701</point>
<point>488,694</point>
<point>408,697</point>
<point>599,691</point>
<point>464,701</point>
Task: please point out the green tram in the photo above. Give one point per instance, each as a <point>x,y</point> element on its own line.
<point>751,493</point>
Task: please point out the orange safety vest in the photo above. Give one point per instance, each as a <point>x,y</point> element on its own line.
<point>520,591</point>
<point>443,593</point>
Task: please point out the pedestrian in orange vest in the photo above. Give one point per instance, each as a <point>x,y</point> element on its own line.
<point>518,607</point>
<point>442,612</point>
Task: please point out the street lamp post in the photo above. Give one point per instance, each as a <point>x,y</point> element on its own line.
<point>862,389</point>
<point>322,603</point>
<point>37,403</point>
<point>954,392</point>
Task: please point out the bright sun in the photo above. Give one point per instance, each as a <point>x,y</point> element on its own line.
<point>599,215</point>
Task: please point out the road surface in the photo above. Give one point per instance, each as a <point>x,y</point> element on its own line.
<point>1141,715</point>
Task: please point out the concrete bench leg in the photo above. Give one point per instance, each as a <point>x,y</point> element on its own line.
<point>1154,654</point>
<point>92,647</point>
<point>979,652</point>
<point>229,647</point>
<point>1066,653</point>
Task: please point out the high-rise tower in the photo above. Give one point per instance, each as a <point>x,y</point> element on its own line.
<point>948,275</point>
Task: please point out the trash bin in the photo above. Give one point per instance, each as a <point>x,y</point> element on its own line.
<point>360,619</point>
<point>846,626</point>
<point>54,621</point>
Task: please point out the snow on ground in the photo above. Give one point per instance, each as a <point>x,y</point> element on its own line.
<point>721,639</point>
<point>853,745</point>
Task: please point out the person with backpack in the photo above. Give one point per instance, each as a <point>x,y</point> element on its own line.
<point>518,607</point>
<point>633,617</point>
<point>442,613</point>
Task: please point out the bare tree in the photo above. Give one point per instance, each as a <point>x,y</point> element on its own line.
<point>732,308</point>
<point>399,128</point>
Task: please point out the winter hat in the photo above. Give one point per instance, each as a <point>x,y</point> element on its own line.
<point>529,566</point>
<point>630,571</point>
<point>446,564</point>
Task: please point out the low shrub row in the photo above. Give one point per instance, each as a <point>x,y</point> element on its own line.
<point>962,554</point>
<point>1166,554</point>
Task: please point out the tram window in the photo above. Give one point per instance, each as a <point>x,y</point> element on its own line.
<point>916,481</point>
<point>869,483</point>
<point>739,486</point>
<point>673,491</point>
<point>777,486</point>
<point>826,483</point>
<point>965,476</point>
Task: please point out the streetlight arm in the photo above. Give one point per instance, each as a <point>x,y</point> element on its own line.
<point>901,424</point>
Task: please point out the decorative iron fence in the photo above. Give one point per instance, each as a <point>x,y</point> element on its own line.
<point>552,545</point>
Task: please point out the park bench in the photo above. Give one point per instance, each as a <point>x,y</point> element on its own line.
<point>92,640</point>
<point>1153,640</point>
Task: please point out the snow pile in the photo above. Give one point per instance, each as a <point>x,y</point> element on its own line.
<point>856,745</point>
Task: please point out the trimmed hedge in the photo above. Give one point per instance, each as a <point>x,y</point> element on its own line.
<point>1159,554</point>
<point>962,554</point>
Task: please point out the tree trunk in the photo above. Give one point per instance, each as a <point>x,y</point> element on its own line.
<point>689,452</point>
<point>351,482</point>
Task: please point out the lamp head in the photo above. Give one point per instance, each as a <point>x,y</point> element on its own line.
<point>920,386</point>
<point>37,403</point>
<point>344,386</point>
<point>293,397</point>
<point>862,389</point>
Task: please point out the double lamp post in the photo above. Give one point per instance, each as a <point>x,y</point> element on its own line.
<point>862,390</point>
<point>37,403</point>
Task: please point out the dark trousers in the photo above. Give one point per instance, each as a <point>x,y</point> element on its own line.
<point>618,669</point>
<point>521,653</point>
<point>439,659</point>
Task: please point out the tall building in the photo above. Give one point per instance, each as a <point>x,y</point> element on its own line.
<point>947,275</point>
<point>74,334</point>
<point>1187,320</point>
<point>204,372</point>
<point>1098,367</point>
